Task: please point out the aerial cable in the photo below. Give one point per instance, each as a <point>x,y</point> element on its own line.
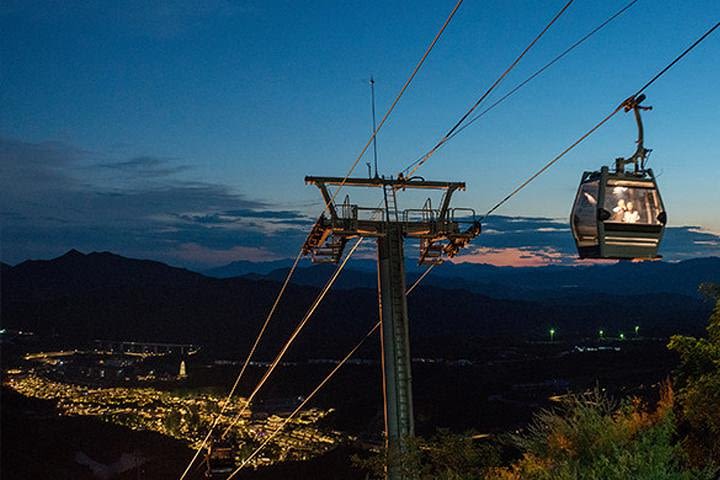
<point>394,103</point>
<point>305,401</point>
<point>316,390</point>
<point>620,107</point>
<point>294,335</point>
<point>245,365</point>
<point>372,139</point>
<point>533,76</point>
<point>588,133</point>
<point>457,125</point>
<point>514,192</point>
<point>420,278</point>
<point>352,168</point>
<point>677,59</point>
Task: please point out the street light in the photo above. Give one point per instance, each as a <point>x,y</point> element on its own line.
<point>601,333</point>
<point>622,336</point>
<point>552,334</point>
<point>637,328</point>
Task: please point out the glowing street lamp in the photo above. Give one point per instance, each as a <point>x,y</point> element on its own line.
<point>637,328</point>
<point>552,334</point>
<point>601,333</point>
<point>622,336</point>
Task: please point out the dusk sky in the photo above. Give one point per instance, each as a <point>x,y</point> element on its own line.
<point>181,131</point>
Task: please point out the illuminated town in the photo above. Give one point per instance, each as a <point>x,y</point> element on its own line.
<point>183,414</point>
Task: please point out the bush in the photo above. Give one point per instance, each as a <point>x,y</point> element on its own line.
<point>591,438</point>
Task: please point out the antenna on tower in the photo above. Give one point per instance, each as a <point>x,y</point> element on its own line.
<point>372,94</point>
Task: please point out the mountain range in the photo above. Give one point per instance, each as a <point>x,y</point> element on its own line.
<point>80,297</point>
<point>538,283</point>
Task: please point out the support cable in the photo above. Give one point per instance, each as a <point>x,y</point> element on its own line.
<point>442,141</point>
<point>327,205</point>
<point>294,335</point>
<point>552,162</point>
<point>420,279</point>
<point>532,77</point>
<point>304,402</point>
<point>245,365</point>
<point>394,103</point>
<point>588,133</point>
<point>602,122</point>
<point>677,59</point>
<point>315,391</point>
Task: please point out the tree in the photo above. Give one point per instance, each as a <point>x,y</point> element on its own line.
<point>698,383</point>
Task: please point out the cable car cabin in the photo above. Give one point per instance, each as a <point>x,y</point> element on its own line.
<point>220,460</point>
<point>618,215</point>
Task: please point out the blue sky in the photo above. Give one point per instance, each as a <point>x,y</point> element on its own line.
<point>182,130</point>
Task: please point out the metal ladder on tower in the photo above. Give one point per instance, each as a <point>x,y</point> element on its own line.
<point>391,210</point>
<point>401,352</point>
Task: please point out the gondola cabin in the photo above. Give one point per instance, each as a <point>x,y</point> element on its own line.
<point>618,215</point>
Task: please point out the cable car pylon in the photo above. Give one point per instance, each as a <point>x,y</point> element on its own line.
<point>442,233</point>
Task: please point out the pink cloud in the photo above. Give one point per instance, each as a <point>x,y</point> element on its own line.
<point>514,257</point>
<point>524,257</point>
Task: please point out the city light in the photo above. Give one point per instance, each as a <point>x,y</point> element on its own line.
<point>552,334</point>
<point>185,416</point>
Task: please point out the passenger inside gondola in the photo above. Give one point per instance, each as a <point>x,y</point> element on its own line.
<point>619,211</point>
<point>631,215</point>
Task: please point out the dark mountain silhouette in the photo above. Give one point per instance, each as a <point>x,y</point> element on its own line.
<point>76,273</point>
<point>536,283</point>
<point>244,267</point>
<point>101,295</point>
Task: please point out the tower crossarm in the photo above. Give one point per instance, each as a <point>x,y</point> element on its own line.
<point>442,231</point>
<point>399,183</point>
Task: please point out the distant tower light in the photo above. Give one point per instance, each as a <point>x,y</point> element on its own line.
<point>183,371</point>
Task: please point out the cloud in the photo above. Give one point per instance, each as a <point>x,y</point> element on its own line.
<point>54,197</point>
<point>513,257</point>
<point>145,166</point>
<point>536,241</point>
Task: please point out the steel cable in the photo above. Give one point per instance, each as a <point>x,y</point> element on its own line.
<point>602,122</point>
<point>337,190</point>
<point>244,367</point>
<point>316,390</point>
<point>532,77</point>
<point>293,336</point>
<point>432,151</point>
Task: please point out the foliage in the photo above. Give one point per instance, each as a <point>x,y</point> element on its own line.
<point>446,456</point>
<point>591,438</point>
<point>698,382</point>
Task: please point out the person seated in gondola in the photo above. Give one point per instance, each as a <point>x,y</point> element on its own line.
<point>619,211</point>
<point>631,215</point>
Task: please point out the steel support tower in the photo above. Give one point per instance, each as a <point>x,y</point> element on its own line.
<point>442,233</point>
